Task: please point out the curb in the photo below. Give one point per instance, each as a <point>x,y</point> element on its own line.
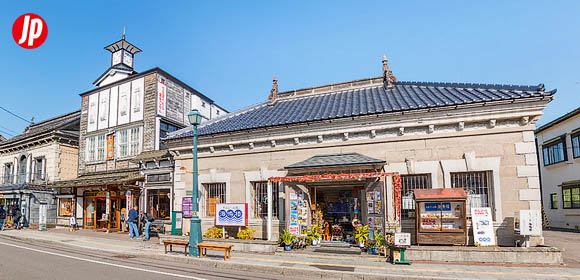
<point>291,272</point>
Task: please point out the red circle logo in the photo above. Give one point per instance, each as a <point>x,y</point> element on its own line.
<point>29,31</point>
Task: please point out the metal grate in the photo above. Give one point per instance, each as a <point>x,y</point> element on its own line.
<point>261,199</point>
<point>477,187</point>
<point>215,193</point>
<point>408,184</point>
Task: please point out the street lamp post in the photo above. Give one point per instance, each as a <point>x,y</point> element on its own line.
<point>195,226</point>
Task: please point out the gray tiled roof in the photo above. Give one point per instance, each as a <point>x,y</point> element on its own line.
<point>373,99</point>
<point>68,122</point>
<point>336,160</point>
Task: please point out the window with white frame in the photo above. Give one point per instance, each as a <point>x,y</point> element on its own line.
<point>90,149</point>
<point>122,141</point>
<point>477,185</point>
<point>135,141</point>
<point>261,199</point>
<point>101,147</point>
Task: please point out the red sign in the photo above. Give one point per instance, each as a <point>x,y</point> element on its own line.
<point>29,31</point>
<point>161,99</point>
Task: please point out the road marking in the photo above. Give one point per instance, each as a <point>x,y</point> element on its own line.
<point>400,269</point>
<point>105,263</point>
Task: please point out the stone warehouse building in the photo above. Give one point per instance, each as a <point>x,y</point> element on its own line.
<point>479,137</point>
<point>559,147</point>
<point>30,162</point>
<point>124,116</point>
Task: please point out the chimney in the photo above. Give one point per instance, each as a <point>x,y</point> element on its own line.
<point>274,92</point>
<point>388,76</point>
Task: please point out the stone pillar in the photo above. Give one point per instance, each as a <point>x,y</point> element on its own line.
<point>270,210</point>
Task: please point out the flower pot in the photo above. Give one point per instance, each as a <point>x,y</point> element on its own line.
<point>375,251</point>
<point>314,242</point>
<point>361,244</point>
<point>287,247</point>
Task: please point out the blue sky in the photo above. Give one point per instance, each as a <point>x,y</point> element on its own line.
<point>229,50</point>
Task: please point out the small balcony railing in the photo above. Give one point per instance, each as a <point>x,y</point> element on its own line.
<point>19,179</point>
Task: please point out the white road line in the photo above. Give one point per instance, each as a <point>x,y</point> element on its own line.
<point>105,263</point>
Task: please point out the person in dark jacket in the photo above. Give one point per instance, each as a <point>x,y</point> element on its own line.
<point>17,217</point>
<point>133,219</point>
<point>146,220</point>
<point>2,217</point>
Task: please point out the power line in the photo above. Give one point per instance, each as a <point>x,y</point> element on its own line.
<point>7,133</point>
<point>8,130</point>
<point>14,114</point>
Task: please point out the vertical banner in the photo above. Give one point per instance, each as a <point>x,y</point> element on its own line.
<point>110,146</point>
<point>108,204</point>
<point>161,99</point>
<point>137,99</point>
<point>483,234</point>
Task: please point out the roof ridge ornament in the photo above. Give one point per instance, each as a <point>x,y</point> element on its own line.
<point>274,91</point>
<point>388,76</point>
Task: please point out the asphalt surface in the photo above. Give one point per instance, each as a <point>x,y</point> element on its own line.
<point>569,240</point>
<point>38,260</point>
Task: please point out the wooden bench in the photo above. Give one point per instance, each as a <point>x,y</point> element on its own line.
<point>204,246</point>
<point>175,242</point>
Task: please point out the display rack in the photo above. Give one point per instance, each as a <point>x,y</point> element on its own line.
<point>441,216</point>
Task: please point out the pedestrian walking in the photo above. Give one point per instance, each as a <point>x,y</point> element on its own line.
<point>17,217</point>
<point>2,217</point>
<point>133,219</point>
<point>147,219</point>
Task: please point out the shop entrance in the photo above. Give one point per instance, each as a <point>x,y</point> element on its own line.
<point>340,206</point>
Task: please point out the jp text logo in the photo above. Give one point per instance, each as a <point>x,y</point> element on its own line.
<point>29,31</point>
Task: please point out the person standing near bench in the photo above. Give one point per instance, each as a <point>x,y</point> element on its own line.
<point>2,217</point>
<point>133,219</point>
<point>147,219</point>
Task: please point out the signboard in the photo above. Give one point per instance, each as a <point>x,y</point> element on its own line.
<point>231,214</point>
<point>42,213</point>
<point>129,201</point>
<point>161,99</point>
<point>108,203</point>
<point>483,233</point>
<point>187,207</point>
<point>530,222</point>
<point>110,146</point>
<point>402,240</point>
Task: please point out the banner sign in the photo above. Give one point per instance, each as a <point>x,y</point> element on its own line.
<point>110,146</point>
<point>161,99</point>
<point>530,222</point>
<point>483,233</point>
<point>187,207</point>
<point>231,214</point>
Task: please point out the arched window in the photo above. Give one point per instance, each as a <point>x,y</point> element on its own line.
<point>22,170</point>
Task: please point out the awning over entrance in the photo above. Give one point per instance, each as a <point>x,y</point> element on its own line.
<point>337,160</point>
<point>119,178</point>
<point>570,183</point>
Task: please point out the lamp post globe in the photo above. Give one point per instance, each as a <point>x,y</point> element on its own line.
<point>194,117</point>
<point>195,225</point>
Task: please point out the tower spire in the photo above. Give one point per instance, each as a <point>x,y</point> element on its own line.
<point>123,32</point>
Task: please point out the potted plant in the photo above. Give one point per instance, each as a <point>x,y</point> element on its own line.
<point>317,233</point>
<point>371,248</point>
<point>362,235</point>
<point>246,233</point>
<point>381,241</point>
<point>286,239</point>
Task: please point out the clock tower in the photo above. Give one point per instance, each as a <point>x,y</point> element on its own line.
<point>122,53</point>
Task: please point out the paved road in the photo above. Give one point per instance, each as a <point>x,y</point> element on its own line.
<point>570,241</point>
<point>37,260</point>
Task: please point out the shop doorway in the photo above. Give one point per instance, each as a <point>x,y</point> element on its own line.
<point>340,206</point>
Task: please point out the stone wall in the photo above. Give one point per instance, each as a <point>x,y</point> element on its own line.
<point>485,150</point>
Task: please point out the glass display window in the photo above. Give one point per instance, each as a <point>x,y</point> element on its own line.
<point>65,207</point>
<point>441,216</point>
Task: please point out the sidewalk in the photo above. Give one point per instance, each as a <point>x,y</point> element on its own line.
<point>296,264</point>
